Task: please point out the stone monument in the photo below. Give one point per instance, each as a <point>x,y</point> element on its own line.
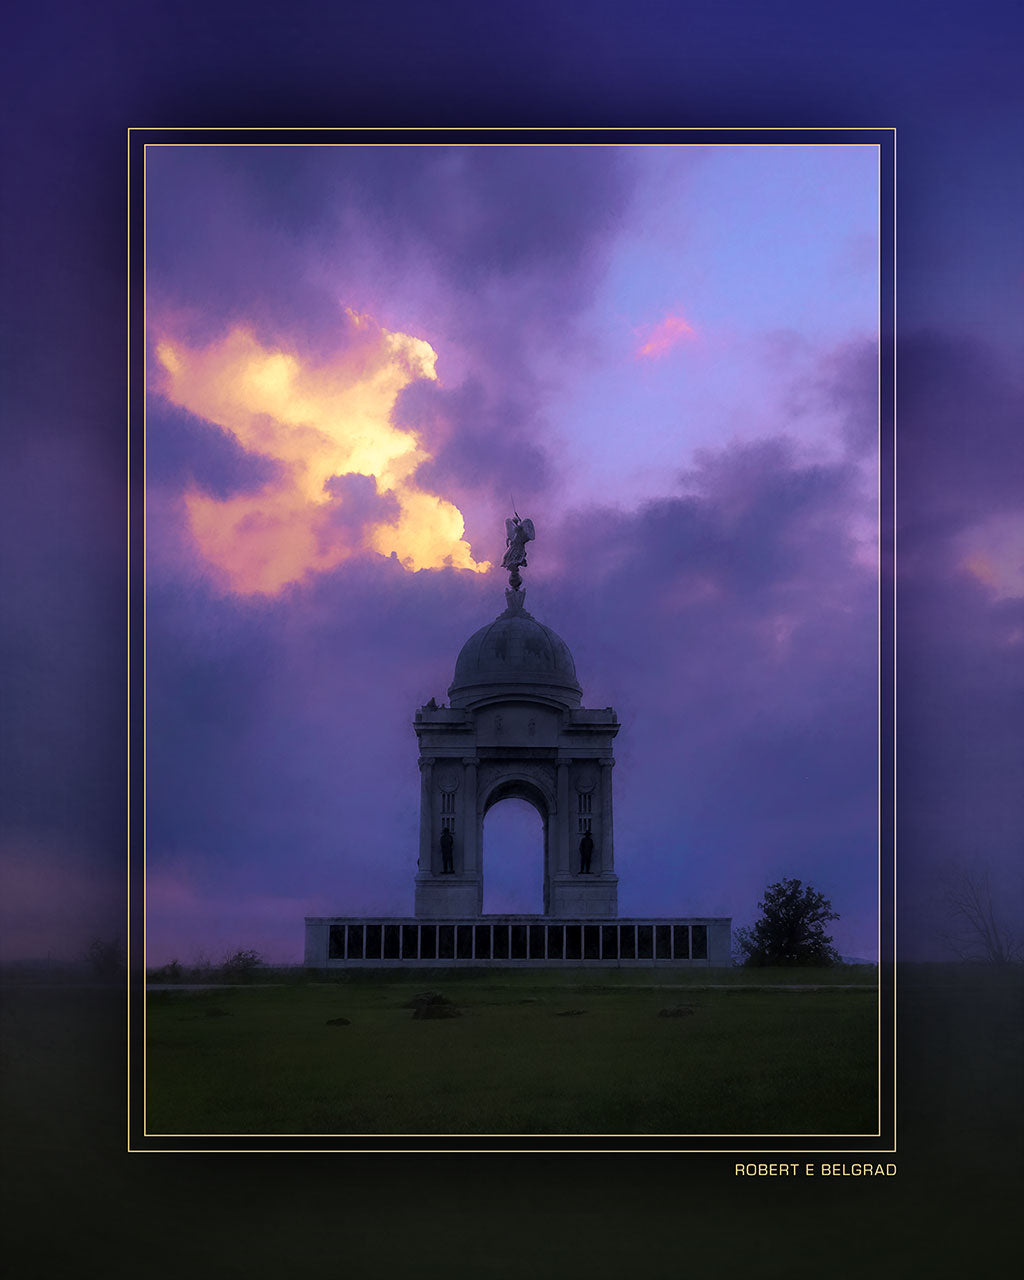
<point>515,726</point>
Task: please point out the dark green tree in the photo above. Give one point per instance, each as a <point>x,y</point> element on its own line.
<point>791,930</point>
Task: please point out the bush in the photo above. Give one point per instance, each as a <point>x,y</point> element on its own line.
<point>172,972</point>
<point>791,930</point>
<point>241,966</point>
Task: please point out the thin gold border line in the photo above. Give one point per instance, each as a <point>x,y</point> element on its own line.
<point>481,129</point>
<point>878,605</point>
<point>506,1151</point>
<point>549,128</point>
<point>490,1134</point>
<point>145,628</point>
<point>633,146</point>
<point>895,748</point>
<point>552,1148</point>
<point>869,1157</point>
<point>128,668</point>
<point>507,146</point>
<point>878,290</point>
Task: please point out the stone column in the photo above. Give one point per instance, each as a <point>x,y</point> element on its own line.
<point>563,831</point>
<point>426,861</point>
<point>607,839</point>
<point>470,827</point>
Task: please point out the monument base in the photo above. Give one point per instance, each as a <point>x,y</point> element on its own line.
<point>584,895</point>
<point>389,942</point>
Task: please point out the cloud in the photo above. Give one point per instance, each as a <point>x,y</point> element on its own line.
<point>490,254</point>
<point>63,645</point>
<point>665,335</point>
<point>495,250</point>
<point>960,653</point>
<point>846,384</point>
<point>315,421</point>
<point>184,451</point>
<point>993,553</point>
<point>959,447</point>
<point>483,443</point>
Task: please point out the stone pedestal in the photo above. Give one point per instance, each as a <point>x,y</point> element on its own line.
<point>447,897</point>
<point>584,895</point>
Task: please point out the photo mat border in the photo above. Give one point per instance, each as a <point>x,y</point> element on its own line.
<point>884,139</point>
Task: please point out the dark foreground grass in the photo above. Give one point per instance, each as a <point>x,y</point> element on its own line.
<point>73,1199</point>
<point>530,1054</point>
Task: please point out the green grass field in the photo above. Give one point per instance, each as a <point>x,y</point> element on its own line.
<point>530,1053</point>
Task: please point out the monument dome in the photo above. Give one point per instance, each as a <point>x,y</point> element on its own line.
<point>515,654</point>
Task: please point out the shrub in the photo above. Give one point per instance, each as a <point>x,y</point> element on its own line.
<point>791,930</point>
<point>241,966</point>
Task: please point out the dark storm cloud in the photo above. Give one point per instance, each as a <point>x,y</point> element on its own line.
<point>960,447</point>
<point>465,221</point>
<point>63,740</point>
<point>478,212</point>
<point>848,384</point>
<point>357,503</point>
<point>478,441</point>
<point>211,262</point>
<point>182,450</point>
<point>489,212</point>
<point>283,765</point>
<point>58,656</point>
<point>736,633</point>
<point>214,755</point>
<point>960,677</point>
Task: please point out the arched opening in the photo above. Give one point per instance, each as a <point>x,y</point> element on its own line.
<point>513,859</point>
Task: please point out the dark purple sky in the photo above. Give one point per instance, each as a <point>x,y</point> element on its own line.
<point>729,613</point>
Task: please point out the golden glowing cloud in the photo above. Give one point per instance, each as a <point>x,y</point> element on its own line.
<point>315,421</point>
<point>664,336</point>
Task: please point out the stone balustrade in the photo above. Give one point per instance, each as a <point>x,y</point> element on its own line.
<point>513,940</point>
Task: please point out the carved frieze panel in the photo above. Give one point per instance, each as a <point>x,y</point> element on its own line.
<point>492,773</point>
